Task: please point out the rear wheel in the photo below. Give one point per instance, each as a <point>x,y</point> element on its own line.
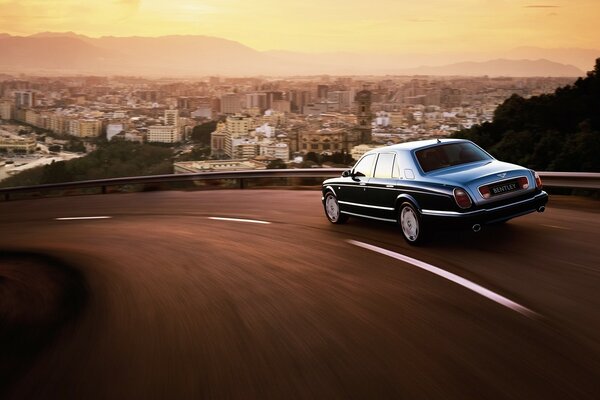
<point>411,225</point>
<point>332,210</point>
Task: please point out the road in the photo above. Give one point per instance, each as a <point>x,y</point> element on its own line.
<point>188,295</point>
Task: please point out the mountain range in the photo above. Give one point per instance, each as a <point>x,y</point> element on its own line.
<point>55,53</point>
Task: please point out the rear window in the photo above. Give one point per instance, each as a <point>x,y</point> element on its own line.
<point>447,155</point>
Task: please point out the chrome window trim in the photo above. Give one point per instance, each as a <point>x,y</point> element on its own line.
<point>377,163</point>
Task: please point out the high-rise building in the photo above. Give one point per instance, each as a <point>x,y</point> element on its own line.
<point>238,125</point>
<point>281,106</point>
<point>6,109</point>
<point>257,100</point>
<point>172,118</point>
<point>322,91</point>
<point>363,115</point>
<point>217,141</point>
<point>272,97</point>
<point>298,99</point>
<point>231,103</point>
<point>24,99</point>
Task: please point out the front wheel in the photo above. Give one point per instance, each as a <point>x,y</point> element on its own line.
<point>410,222</point>
<point>332,210</point>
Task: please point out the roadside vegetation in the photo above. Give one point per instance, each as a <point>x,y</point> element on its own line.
<point>110,160</point>
<point>553,132</point>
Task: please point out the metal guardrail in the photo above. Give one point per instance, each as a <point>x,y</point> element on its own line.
<point>579,180</point>
<point>240,177</point>
<point>573,180</point>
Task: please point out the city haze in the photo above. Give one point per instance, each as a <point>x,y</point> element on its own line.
<point>289,38</point>
<point>380,26</point>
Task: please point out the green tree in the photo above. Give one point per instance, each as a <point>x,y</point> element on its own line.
<point>559,131</point>
<point>201,133</point>
<point>277,164</point>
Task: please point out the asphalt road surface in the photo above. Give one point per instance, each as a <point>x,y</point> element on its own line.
<point>254,294</point>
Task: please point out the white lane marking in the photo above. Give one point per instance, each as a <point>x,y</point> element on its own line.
<point>82,218</point>
<point>252,221</point>
<point>557,227</point>
<point>451,277</point>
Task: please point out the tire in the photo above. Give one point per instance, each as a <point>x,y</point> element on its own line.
<point>332,210</point>
<point>411,225</point>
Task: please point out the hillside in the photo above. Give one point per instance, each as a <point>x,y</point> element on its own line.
<point>554,132</point>
<point>111,160</point>
<point>197,55</point>
<point>501,67</point>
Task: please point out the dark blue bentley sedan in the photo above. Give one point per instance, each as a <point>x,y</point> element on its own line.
<point>433,183</point>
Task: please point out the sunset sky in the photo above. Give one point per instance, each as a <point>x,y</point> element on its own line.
<point>378,26</point>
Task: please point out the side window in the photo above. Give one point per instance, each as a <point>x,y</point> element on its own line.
<point>385,166</point>
<point>365,165</point>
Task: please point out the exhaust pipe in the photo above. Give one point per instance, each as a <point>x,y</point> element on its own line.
<point>476,228</point>
<point>541,209</point>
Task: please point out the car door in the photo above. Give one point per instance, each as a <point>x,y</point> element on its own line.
<point>354,193</point>
<point>382,187</point>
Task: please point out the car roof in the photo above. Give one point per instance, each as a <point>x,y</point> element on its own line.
<point>419,144</point>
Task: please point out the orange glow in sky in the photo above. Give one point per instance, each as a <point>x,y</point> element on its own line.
<point>381,26</point>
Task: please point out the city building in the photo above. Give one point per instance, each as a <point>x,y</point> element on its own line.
<point>6,109</point>
<point>24,99</point>
<point>231,103</point>
<point>275,150</point>
<point>163,134</point>
<point>172,117</point>
<point>17,143</point>
<point>186,167</point>
<point>363,115</point>
<point>358,151</point>
<point>113,130</point>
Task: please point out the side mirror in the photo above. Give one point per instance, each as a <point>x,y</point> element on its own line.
<point>346,173</point>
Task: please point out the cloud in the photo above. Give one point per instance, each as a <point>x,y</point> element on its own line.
<point>420,20</point>
<point>133,3</point>
<point>541,6</point>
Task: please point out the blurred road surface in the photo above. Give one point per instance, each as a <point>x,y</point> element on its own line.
<point>188,296</point>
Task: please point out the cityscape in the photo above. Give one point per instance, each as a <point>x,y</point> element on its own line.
<point>255,121</point>
<point>267,199</point>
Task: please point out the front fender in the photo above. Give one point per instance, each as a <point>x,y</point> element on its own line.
<point>326,189</point>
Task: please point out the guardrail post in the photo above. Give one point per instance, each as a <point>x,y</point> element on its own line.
<point>241,183</point>
<point>6,196</point>
<point>103,189</point>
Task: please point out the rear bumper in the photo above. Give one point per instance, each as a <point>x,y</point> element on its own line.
<point>485,216</point>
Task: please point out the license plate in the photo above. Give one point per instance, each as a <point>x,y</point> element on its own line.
<point>503,188</point>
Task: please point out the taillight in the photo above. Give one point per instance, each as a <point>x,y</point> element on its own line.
<point>485,192</point>
<point>462,198</point>
<point>523,182</point>
<point>538,181</point>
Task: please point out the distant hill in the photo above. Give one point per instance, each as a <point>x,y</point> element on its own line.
<point>501,67</point>
<point>553,132</point>
<point>195,55</point>
<point>167,55</point>
<point>51,53</point>
<point>581,58</point>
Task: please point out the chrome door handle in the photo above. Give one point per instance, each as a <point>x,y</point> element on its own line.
<point>391,186</point>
